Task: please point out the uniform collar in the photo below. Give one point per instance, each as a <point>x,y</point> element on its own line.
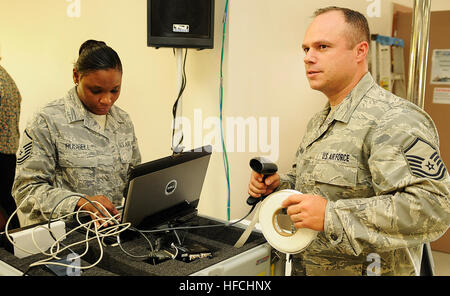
<point>345,110</point>
<point>75,110</point>
<point>322,121</point>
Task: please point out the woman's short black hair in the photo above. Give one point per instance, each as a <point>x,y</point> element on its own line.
<point>96,55</point>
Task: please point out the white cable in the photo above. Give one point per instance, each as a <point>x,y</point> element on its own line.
<point>56,249</point>
<point>98,235</point>
<point>53,254</point>
<point>7,226</point>
<point>176,249</point>
<point>416,268</point>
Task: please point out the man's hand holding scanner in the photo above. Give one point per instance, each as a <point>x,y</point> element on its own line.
<point>96,215</point>
<point>306,211</point>
<point>259,186</point>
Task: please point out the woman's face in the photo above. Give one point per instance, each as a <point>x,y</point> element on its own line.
<point>98,90</point>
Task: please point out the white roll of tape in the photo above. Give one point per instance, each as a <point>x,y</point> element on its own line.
<point>279,233</point>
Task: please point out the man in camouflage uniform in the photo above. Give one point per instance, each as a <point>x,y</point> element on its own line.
<point>374,184</point>
<point>64,151</point>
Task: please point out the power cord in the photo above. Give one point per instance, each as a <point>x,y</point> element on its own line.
<point>199,226</point>
<point>176,148</point>
<point>99,235</point>
<point>56,249</point>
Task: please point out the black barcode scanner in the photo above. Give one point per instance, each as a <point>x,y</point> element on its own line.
<point>263,166</point>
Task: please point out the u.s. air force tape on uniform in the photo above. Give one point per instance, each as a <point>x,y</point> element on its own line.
<point>277,227</point>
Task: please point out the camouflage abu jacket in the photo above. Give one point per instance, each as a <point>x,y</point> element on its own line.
<point>376,160</point>
<point>64,151</point>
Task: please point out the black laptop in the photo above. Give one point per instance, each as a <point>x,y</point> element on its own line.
<point>164,189</point>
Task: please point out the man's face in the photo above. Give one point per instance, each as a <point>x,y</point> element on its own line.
<point>329,60</point>
<point>99,90</point>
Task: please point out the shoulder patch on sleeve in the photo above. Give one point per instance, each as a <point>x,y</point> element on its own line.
<point>424,160</point>
<point>25,148</point>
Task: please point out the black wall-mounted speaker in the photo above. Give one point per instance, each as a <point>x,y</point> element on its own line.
<point>180,23</point>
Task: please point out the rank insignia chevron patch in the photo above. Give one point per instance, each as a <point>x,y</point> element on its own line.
<point>424,160</point>
<point>25,149</point>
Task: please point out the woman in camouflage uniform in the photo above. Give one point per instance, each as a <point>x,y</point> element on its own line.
<point>79,144</point>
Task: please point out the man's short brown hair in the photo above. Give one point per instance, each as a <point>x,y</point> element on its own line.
<point>359,26</point>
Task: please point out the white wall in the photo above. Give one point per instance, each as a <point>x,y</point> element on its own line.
<point>263,75</point>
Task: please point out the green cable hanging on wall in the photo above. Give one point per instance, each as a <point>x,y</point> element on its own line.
<point>224,154</point>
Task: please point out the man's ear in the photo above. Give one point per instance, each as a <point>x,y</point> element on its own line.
<point>362,50</point>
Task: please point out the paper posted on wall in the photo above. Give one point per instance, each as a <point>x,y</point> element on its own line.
<point>441,95</point>
<point>440,68</point>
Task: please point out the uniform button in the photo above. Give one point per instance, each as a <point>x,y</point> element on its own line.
<point>333,236</point>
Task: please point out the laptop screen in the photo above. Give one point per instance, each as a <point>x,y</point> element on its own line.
<point>164,189</point>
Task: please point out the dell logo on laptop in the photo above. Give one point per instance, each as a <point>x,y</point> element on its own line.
<point>170,187</point>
